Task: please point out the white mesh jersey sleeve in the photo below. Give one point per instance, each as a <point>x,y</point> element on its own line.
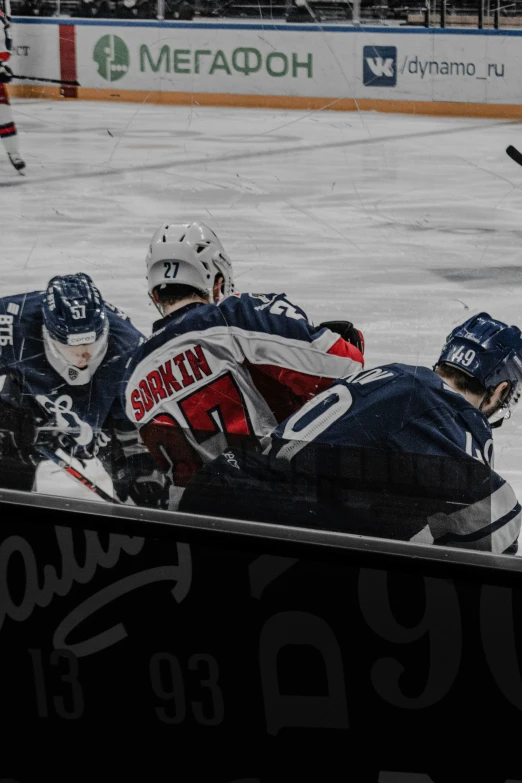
<point>276,336</point>
<point>294,356</point>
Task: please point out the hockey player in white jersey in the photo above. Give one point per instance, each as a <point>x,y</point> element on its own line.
<point>8,132</point>
<point>221,371</point>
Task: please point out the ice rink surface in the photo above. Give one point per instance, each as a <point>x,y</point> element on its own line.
<point>405,225</point>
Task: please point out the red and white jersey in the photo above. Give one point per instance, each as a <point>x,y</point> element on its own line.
<point>6,41</point>
<point>213,374</point>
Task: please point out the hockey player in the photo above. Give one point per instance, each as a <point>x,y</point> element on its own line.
<point>397,451</point>
<point>8,132</point>
<point>63,355</point>
<point>222,371</point>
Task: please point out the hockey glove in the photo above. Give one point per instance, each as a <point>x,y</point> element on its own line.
<point>18,432</point>
<point>136,477</point>
<point>22,431</point>
<point>6,74</point>
<point>347,331</point>
<point>151,491</point>
<point>52,436</point>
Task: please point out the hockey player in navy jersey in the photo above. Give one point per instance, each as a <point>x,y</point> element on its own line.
<point>222,368</point>
<point>397,451</point>
<point>63,355</point>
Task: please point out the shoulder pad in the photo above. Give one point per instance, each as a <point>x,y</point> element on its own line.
<point>235,295</point>
<point>12,308</point>
<point>116,311</point>
<point>263,297</point>
<point>365,377</point>
<point>155,334</point>
<point>29,304</point>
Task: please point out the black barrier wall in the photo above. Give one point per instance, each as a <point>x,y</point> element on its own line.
<point>155,646</point>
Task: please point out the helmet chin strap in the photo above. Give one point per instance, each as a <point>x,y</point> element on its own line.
<point>157,306</point>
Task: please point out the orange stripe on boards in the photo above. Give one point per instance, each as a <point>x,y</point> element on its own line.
<point>34,91</point>
<point>304,103</point>
<point>442,108</point>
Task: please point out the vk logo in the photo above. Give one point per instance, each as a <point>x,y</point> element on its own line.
<point>380,66</point>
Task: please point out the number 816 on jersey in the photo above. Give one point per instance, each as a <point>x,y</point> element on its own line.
<point>6,330</point>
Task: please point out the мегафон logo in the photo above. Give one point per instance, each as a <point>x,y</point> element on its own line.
<point>380,66</point>
<point>112,55</point>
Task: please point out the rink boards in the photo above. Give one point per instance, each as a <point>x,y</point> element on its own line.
<point>431,71</point>
<point>138,642</point>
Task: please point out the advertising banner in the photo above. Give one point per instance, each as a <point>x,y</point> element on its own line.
<point>290,64</point>
<point>344,64</point>
<point>199,60</point>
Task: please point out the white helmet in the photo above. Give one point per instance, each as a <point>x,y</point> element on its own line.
<point>188,254</point>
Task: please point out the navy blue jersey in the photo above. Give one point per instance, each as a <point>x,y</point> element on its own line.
<point>27,380</point>
<point>212,372</point>
<point>395,407</point>
<point>392,452</point>
<point>403,410</point>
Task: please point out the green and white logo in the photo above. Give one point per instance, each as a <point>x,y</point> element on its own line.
<point>112,55</point>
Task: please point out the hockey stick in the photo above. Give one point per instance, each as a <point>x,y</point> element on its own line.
<point>75,474</point>
<point>49,81</point>
<point>514,154</point>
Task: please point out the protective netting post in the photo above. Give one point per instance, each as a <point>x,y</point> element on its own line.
<point>443,13</point>
<point>356,12</point>
<point>427,14</point>
<point>496,16</point>
<point>161,9</point>
<point>480,14</point>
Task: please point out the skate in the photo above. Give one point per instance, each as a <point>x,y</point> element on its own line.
<point>17,162</point>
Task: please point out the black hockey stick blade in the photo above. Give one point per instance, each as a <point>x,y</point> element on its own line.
<point>514,154</point>
<point>49,81</point>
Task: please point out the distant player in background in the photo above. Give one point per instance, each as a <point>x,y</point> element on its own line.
<point>63,355</point>
<point>8,132</point>
<point>222,368</point>
<point>397,452</point>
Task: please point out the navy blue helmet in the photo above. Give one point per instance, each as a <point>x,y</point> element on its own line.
<point>490,351</point>
<point>73,310</point>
